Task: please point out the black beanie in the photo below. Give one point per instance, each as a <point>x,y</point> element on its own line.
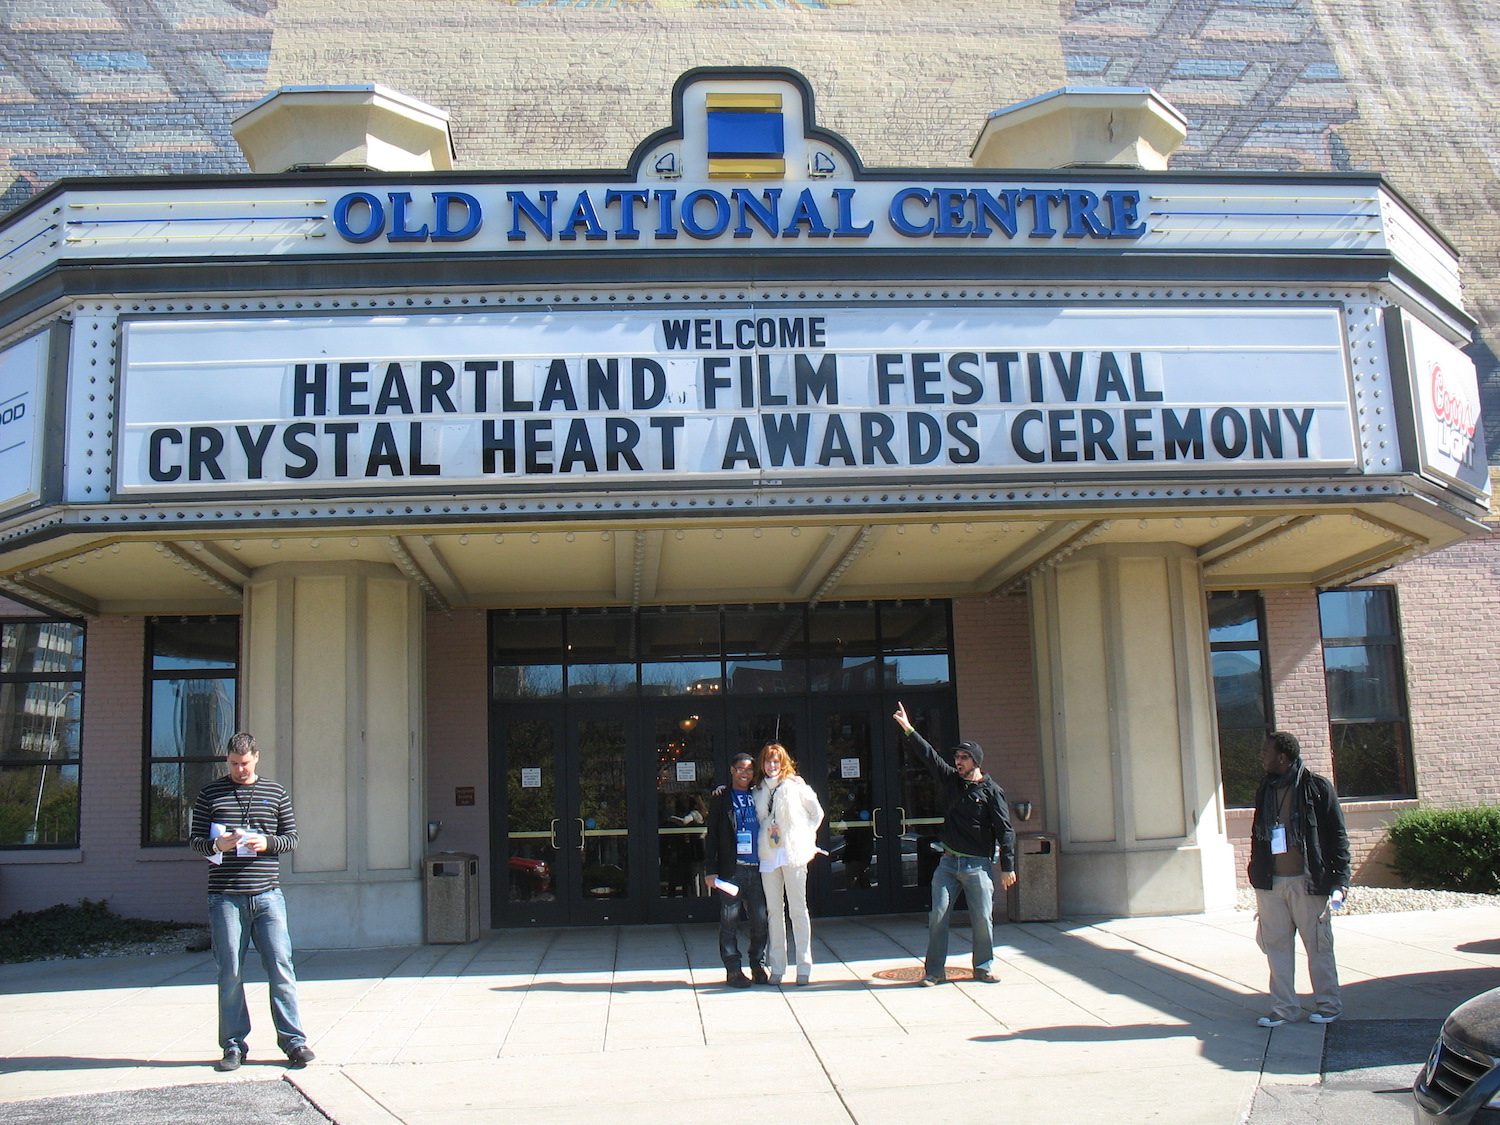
<point>973,750</point>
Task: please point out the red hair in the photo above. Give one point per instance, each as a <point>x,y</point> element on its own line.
<point>778,751</point>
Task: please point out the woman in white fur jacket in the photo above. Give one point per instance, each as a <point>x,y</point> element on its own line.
<point>789,815</point>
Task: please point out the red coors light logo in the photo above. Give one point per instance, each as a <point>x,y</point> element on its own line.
<point>1458,412</point>
<point>1453,408</point>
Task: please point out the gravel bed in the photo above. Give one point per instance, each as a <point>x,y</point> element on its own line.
<point>1389,900</point>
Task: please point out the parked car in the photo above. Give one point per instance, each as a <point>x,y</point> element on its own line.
<point>529,878</point>
<point>1460,1085</point>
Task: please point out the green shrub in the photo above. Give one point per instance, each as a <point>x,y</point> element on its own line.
<point>1449,849</point>
<point>68,931</point>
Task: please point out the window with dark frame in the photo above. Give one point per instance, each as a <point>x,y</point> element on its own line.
<point>191,705</point>
<point>41,709</point>
<point>1367,712</point>
<point>1242,690</point>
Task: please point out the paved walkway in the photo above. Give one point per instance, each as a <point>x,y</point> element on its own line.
<point>1147,1019</point>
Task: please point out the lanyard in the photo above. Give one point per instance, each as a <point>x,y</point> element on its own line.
<point>245,801</point>
<point>743,806</point>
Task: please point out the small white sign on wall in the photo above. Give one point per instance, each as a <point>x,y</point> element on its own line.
<point>687,771</point>
<point>531,777</point>
<point>849,767</point>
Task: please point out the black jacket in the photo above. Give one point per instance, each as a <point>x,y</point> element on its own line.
<point>1325,844</point>
<point>720,856</point>
<point>976,817</point>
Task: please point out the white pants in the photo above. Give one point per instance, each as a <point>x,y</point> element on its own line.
<point>1287,910</point>
<point>786,891</point>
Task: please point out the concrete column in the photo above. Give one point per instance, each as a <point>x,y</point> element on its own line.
<point>1129,738</point>
<point>333,694</point>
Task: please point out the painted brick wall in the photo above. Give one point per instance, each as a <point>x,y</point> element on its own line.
<point>458,738</point>
<point>997,694</point>
<point>1449,605</point>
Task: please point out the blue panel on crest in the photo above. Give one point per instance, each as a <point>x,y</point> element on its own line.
<point>738,133</point>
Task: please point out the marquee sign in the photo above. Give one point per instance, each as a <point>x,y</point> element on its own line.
<point>753,397</point>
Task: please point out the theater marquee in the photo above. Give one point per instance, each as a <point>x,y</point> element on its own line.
<point>754,396</point>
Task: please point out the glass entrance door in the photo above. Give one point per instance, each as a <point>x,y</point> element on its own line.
<point>597,769</point>
<point>528,884</point>
<point>884,807</point>
<point>605,805</point>
<point>683,740</point>
<point>568,858</point>
<point>610,731</point>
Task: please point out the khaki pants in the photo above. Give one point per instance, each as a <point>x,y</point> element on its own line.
<point>1288,909</point>
<point>786,893</point>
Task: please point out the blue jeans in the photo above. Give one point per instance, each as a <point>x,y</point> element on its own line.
<point>233,920</point>
<point>973,875</point>
<point>753,898</point>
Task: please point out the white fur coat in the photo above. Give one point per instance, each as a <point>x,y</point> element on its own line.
<point>792,807</point>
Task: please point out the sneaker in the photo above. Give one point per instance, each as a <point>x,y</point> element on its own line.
<point>1319,1017</point>
<point>300,1055</point>
<point>737,979</point>
<point>804,979</point>
<point>760,976</point>
<point>929,981</point>
<point>984,976</point>
<point>233,1056</point>
<point>1270,1021</point>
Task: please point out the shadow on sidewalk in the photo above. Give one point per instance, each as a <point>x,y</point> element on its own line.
<point>17,1064</point>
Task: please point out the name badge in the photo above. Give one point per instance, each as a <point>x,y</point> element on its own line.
<point>742,843</point>
<point>1278,840</point>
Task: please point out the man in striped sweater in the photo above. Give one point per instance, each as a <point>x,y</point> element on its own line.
<point>242,823</point>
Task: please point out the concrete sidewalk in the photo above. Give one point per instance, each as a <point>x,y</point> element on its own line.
<point>1147,1019</point>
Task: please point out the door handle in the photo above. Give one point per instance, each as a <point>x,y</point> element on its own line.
<point>875,823</point>
<point>901,812</point>
<point>581,829</point>
<point>555,844</point>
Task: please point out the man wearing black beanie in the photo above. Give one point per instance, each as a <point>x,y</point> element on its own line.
<point>976,822</point>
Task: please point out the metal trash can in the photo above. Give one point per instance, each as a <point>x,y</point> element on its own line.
<point>1034,897</point>
<point>450,893</point>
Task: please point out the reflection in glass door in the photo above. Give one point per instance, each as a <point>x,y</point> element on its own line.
<point>884,808</point>
<point>853,807</point>
<point>567,855</point>
<point>598,769</point>
<point>684,740</point>
<point>919,803</point>
<point>530,886</point>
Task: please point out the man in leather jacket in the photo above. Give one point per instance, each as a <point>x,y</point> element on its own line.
<point>1299,867</point>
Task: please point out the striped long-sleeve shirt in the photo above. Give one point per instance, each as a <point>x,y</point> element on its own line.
<point>263,806</point>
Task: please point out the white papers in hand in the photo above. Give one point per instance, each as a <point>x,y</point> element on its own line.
<point>214,832</point>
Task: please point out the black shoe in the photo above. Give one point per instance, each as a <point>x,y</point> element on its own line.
<point>737,979</point>
<point>233,1056</point>
<point>760,976</point>
<point>984,976</point>
<point>300,1056</point>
